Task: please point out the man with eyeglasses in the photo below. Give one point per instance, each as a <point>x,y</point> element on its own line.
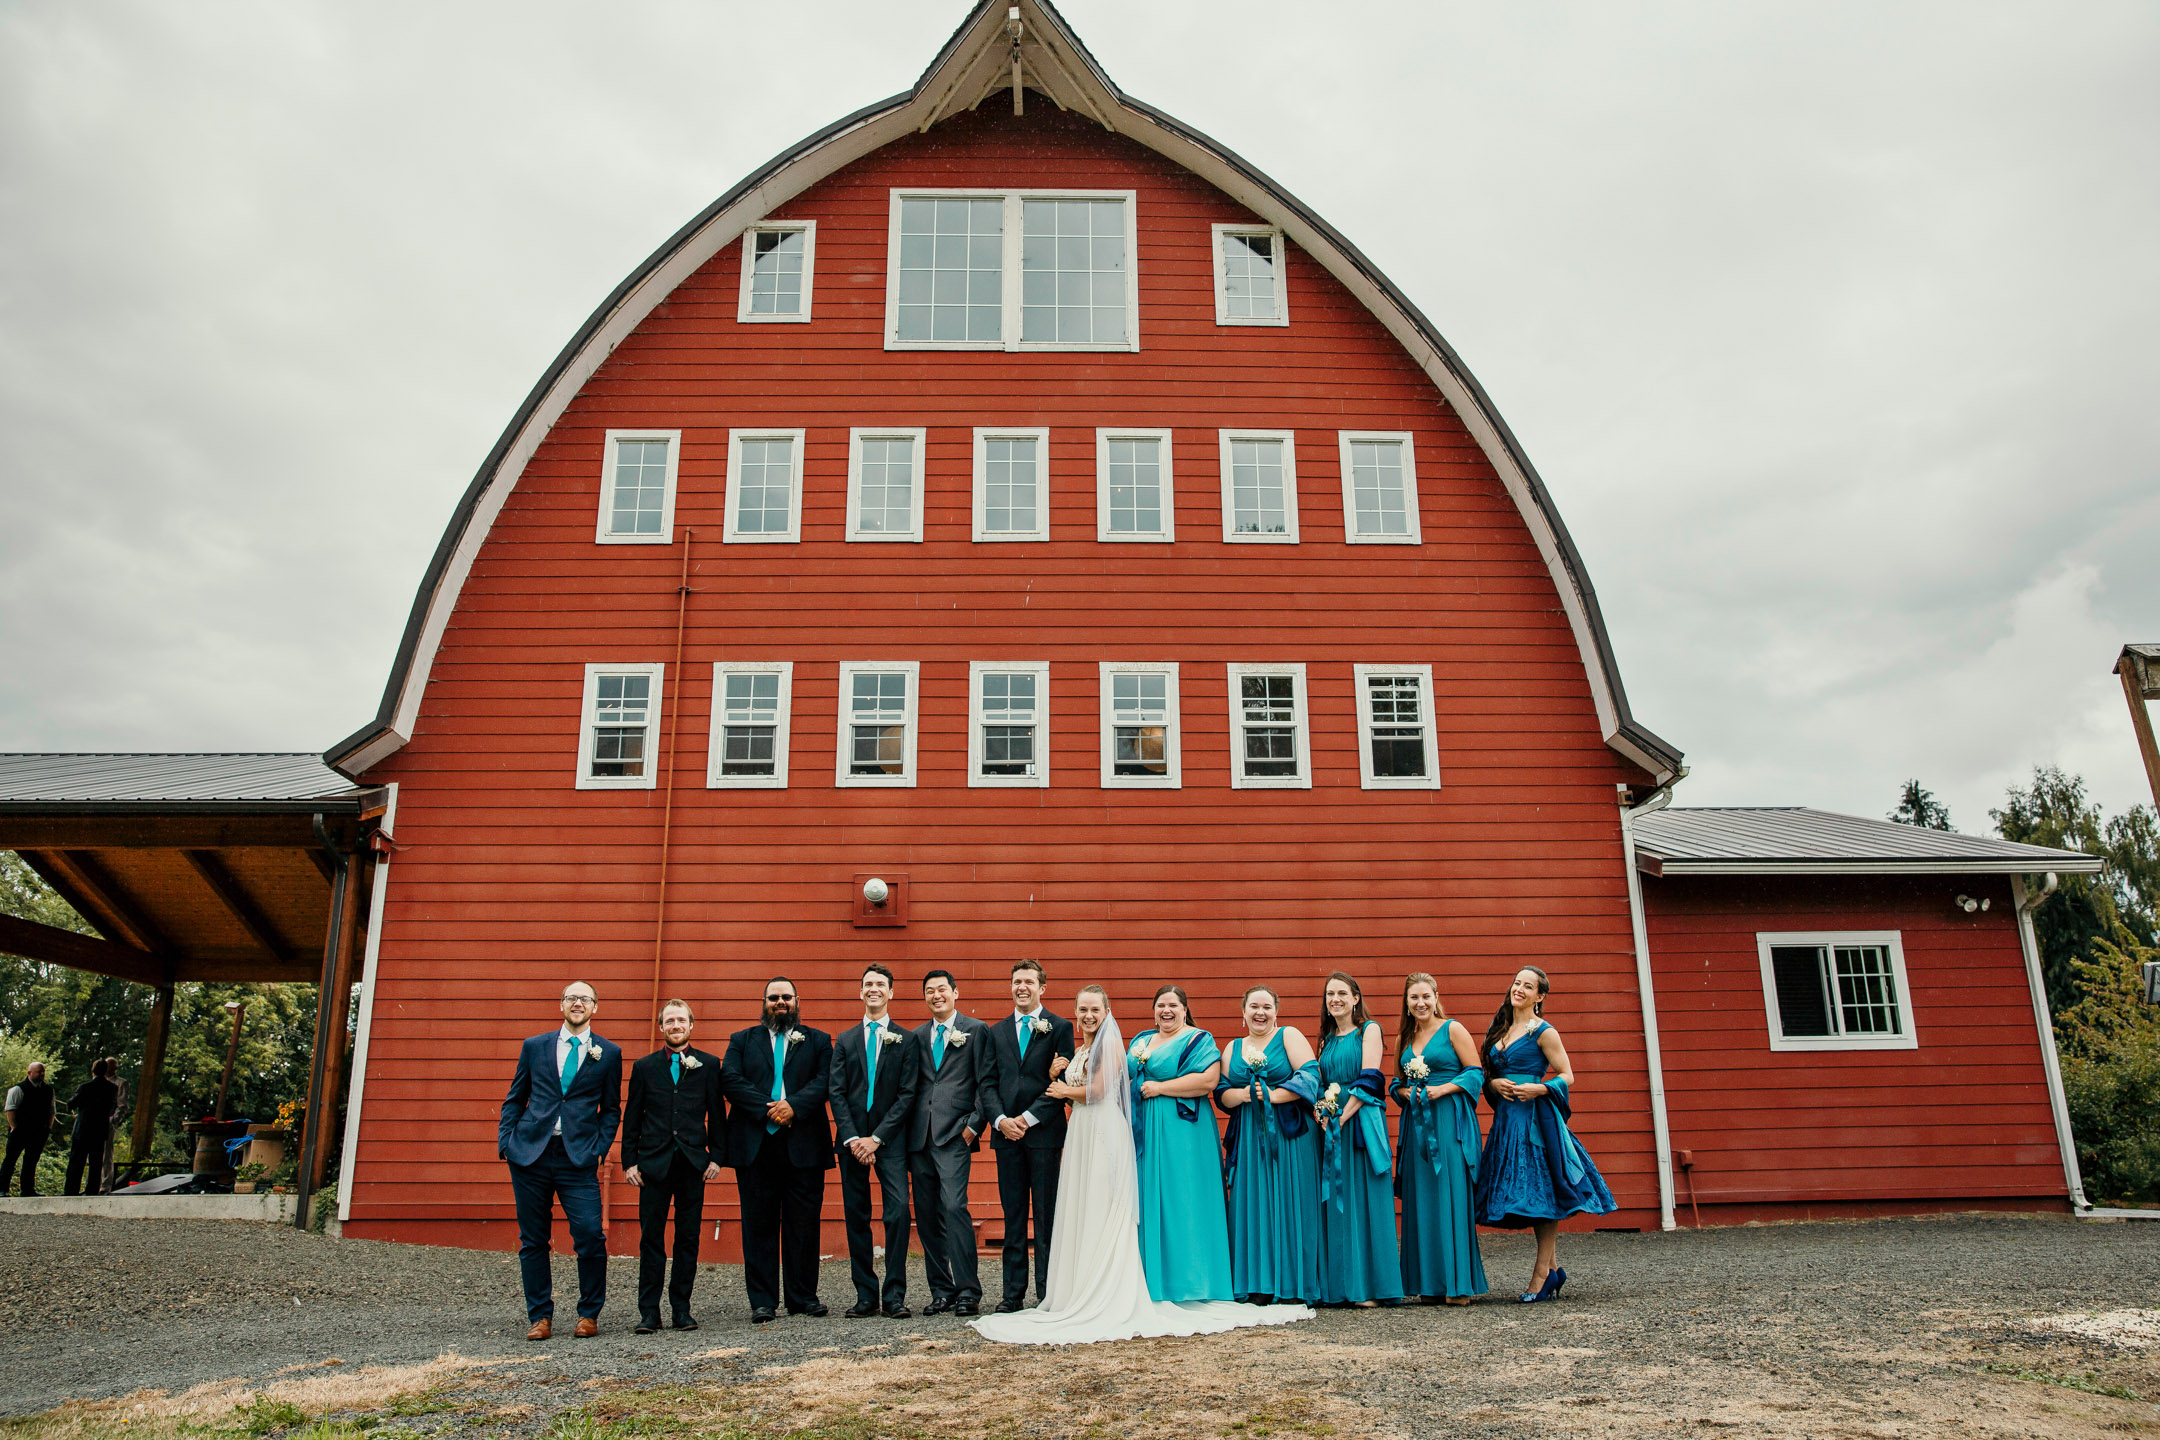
<point>776,1076</point>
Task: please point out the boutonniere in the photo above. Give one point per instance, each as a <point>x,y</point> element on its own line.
<point>1416,1068</point>
<point>796,1037</point>
<point>956,1036</point>
<point>592,1050</point>
<point>691,1062</point>
<point>1040,1026</point>
<point>888,1037</point>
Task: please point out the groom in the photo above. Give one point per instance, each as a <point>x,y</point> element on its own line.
<point>873,1098</point>
<point>955,1093</point>
<point>1029,1131</point>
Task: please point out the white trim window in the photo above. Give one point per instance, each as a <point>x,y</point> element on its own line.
<point>764,486</point>
<point>619,727</point>
<point>1836,990</point>
<point>779,259</point>
<point>1140,730</point>
<point>885,483</point>
<point>1008,723</point>
<point>1379,488</point>
<point>1012,270</point>
<point>1134,496</point>
<point>637,487</point>
<point>1249,285</point>
<point>749,745</point>
<point>1396,746</point>
<point>1012,484</point>
<point>1259,487</point>
<point>1269,747</point>
<point>877,723</point>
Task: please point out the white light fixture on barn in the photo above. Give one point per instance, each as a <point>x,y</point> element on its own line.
<point>1969,905</point>
<point>876,891</point>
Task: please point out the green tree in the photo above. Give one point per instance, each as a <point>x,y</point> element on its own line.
<point>2110,1044</point>
<point>2055,811</point>
<point>1919,807</point>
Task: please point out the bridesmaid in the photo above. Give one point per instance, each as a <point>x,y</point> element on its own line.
<point>1438,1088</point>
<point>1272,1158</point>
<point>1357,1204</point>
<point>1534,1172</point>
<point>1184,1229</point>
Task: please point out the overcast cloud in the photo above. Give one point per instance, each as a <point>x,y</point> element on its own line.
<point>1831,327</point>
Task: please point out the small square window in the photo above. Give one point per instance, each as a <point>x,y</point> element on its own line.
<point>1140,727</point>
<point>1009,723</point>
<point>637,487</point>
<point>885,484</point>
<point>619,727</point>
<point>877,723</point>
<point>751,701</point>
<point>1249,281</point>
<point>1269,747</point>
<point>1259,487</point>
<point>764,486</point>
<point>778,261</point>
<point>1836,991</point>
<point>1396,749</point>
<point>1012,270</point>
<point>1012,484</point>
<point>1379,482</point>
<point>1134,497</point>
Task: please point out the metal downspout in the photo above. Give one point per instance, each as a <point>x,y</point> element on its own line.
<point>1653,1051</point>
<point>2044,1022</point>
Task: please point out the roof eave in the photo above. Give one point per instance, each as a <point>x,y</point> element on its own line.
<point>2066,865</point>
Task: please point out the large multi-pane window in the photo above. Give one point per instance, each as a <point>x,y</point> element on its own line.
<point>618,736</point>
<point>637,487</point>
<point>1249,287</point>
<point>1379,489</point>
<point>778,262</point>
<point>1133,492</point>
<point>1396,748</point>
<point>751,701</point>
<point>1269,748</point>
<point>1009,729</point>
<point>1259,486</point>
<point>1011,490</point>
<point>885,493</point>
<point>1012,271</point>
<point>1140,741</point>
<point>877,723</point>
<point>1835,991</point>
<point>764,490</point>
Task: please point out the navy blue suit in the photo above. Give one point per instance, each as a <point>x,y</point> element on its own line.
<point>545,1165</point>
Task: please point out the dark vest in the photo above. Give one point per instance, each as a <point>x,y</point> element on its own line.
<point>36,1110</point>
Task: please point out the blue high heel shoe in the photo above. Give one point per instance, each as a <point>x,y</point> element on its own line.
<point>1559,1278</point>
<point>1553,1279</point>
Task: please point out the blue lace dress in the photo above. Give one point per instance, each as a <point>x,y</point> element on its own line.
<point>1533,1167</point>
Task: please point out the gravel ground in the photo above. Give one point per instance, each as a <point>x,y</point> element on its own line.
<point>1908,1327</point>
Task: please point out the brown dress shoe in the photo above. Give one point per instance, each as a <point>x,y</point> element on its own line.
<point>542,1328</point>
<point>587,1327</point>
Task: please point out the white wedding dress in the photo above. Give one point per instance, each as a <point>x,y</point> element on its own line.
<point>1097,1289</point>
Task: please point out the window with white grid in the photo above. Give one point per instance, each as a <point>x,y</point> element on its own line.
<point>1379,489</point>
<point>1011,484</point>
<point>885,490</point>
<point>1397,749</point>
<point>877,723</point>
<point>619,727</point>
<point>1836,991</point>
<point>764,486</point>
<point>751,702</point>
<point>1012,270</point>
<point>1140,739</point>
<point>778,264</point>
<point>1009,728</point>
<point>1269,747</point>
<point>1072,272</point>
<point>1133,490</point>
<point>1249,286</point>
<point>1259,486</point>
<point>637,487</point>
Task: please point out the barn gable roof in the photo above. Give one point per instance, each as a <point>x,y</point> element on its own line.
<point>974,63</point>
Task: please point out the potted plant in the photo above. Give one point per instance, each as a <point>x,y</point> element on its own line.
<point>247,1177</point>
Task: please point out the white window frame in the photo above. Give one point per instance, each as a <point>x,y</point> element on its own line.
<point>789,536</point>
<point>1040,434</point>
<point>912,721</point>
<point>1891,940</point>
<point>1222,288</point>
<point>586,780</point>
<point>715,741</point>
<point>604,536</point>
<point>749,266</point>
<point>1103,436</point>
<point>856,437</point>
<point>1040,669</point>
<point>1230,532</point>
<point>1343,441</point>
<point>1367,780</point>
<point>1301,713</point>
<point>1010,286</point>
<point>1173,777</point>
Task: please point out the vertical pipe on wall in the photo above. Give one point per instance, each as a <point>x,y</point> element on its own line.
<point>1653,1052</point>
<point>667,790</point>
<point>2044,1021</point>
<point>348,1156</point>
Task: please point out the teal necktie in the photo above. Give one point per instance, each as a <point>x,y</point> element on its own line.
<point>779,1082</point>
<point>674,1065</point>
<point>937,1049</point>
<point>569,1064</point>
<point>872,1043</point>
<point>1027,1029</point>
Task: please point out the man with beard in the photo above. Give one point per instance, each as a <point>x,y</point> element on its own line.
<point>672,1144</point>
<point>776,1076</point>
<point>29,1125</point>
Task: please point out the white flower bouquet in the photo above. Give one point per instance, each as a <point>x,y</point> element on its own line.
<point>1330,1102</point>
<point>1415,1068</point>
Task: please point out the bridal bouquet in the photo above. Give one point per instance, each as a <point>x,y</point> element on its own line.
<point>1415,1068</point>
<point>1329,1105</point>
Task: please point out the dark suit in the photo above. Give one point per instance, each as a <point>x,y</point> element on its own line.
<point>672,1129</point>
<point>779,1176</point>
<point>545,1165</point>
<point>883,1116</point>
<point>93,1104</point>
<point>953,1095</point>
<point>26,1138</point>
<point>1027,1168</point>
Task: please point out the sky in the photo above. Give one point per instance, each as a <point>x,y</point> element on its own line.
<point>1829,326</point>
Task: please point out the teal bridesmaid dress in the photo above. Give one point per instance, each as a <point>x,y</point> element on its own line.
<point>1357,1198</point>
<point>1438,1173</point>
<point>1272,1158</point>
<point>1184,1228</point>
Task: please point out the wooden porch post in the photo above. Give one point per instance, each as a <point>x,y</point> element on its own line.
<point>153,1061</point>
<point>331,1011</point>
<point>2137,684</point>
<point>313,1125</point>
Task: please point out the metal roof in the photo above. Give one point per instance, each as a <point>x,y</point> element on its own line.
<point>1791,840</point>
<point>77,782</point>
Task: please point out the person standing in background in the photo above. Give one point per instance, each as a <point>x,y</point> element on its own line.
<point>93,1103</point>
<point>108,1174</point>
<point>29,1125</point>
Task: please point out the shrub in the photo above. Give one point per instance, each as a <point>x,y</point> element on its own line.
<point>2110,1044</point>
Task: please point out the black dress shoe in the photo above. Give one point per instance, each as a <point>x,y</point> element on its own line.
<point>937,1307</point>
<point>966,1307</point>
<point>685,1321</point>
<point>815,1310</point>
<point>861,1310</point>
<point>897,1312</point>
<point>761,1316</point>
<point>1008,1307</point>
<point>646,1325</point>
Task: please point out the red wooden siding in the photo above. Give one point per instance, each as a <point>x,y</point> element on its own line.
<point>509,881</point>
<point>1963,1116</point>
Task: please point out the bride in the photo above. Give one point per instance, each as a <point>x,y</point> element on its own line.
<point>1097,1290</point>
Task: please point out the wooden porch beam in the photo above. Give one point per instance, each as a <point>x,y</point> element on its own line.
<point>239,904</point>
<point>54,946</point>
<point>153,1061</point>
<point>89,887</point>
<point>166,832</point>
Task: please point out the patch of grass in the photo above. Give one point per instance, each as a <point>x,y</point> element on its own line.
<point>264,1416</point>
<point>1292,1415</point>
<point>2089,1383</point>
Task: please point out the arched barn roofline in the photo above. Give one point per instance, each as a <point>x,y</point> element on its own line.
<point>975,62</point>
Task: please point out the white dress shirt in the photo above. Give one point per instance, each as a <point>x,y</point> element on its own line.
<point>1021,1021</point>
